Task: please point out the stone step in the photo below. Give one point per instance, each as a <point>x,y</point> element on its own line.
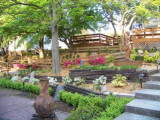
<point>148,94</point>
<point>132,116</point>
<point>144,107</point>
<point>155,77</point>
<point>152,85</point>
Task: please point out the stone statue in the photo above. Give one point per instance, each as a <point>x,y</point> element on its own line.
<point>128,45</point>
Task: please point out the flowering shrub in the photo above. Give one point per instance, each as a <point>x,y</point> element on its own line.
<point>66,79</point>
<point>100,60</point>
<point>98,82</point>
<point>66,64</point>
<point>78,81</point>
<point>52,80</point>
<point>33,66</point>
<point>78,61</point>
<point>23,66</point>
<point>25,78</point>
<point>20,66</point>
<point>92,61</point>
<point>14,78</point>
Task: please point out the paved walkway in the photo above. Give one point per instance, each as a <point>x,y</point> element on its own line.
<point>13,107</point>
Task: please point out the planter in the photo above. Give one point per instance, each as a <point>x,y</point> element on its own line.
<point>44,104</point>
<point>128,62</point>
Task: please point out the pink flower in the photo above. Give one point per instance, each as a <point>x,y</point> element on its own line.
<point>100,60</point>
<point>78,61</point>
<point>66,64</point>
<point>34,66</point>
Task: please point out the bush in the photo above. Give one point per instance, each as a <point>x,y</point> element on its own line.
<point>119,80</point>
<point>128,67</point>
<point>88,112</point>
<point>89,52</point>
<point>111,59</point>
<point>98,61</point>
<point>94,108</point>
<point>139,58</point>
<point>107,67</point>
<point>76,99</point>
<point>7,83</point>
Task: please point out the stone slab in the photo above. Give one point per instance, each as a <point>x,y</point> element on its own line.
<point>132,116</point>
<point>144,107</point>
<point>148,94</point>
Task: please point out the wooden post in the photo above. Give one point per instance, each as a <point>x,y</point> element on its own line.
<point>7,69</point>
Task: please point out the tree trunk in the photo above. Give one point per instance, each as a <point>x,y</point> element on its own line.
<point>41,47</point>
<point>55,49</point>
<point>3,52</point>
<point>114,28</point>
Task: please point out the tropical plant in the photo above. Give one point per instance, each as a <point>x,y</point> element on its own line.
<point>119,80</point>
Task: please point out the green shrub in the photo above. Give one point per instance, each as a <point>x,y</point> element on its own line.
<point>114,108</point>
<point>128,67</point>
<point>88,112</point>
<point>107,67</point>
<point>76,99</point>
<point>78,56</point>
<point>150,59</point>
<point>111,59</point>
<point>89,52</point>
<point>66,56</point>
<point>70,55</point>
<point>94,108</point>
<point>7,83</point>
<point>139,58</point>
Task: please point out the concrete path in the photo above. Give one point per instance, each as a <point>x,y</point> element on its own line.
<point>14,107</point>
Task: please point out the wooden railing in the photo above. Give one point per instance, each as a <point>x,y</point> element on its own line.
<point>92,39</point>
<point>146,35</point>
<point>5,67</point>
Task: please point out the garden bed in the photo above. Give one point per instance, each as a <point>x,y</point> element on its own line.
<point>90,75</point>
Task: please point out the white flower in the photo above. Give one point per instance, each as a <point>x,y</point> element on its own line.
<point>78,81</point>
<point>52,80</point>
<point>35,81</point>
<point>101,80</point>
<point>66,79</point>
<point>26,78</point>
<point>14,78</point>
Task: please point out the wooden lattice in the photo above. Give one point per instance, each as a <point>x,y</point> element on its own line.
<point>148,45</point>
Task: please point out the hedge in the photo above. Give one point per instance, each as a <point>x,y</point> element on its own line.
<point>7,83</point>
<point>111,106</point>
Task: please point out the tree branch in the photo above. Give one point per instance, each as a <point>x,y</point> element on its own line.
<point>27,4</point>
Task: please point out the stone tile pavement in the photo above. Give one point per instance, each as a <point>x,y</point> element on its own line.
<point>19,108</point>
